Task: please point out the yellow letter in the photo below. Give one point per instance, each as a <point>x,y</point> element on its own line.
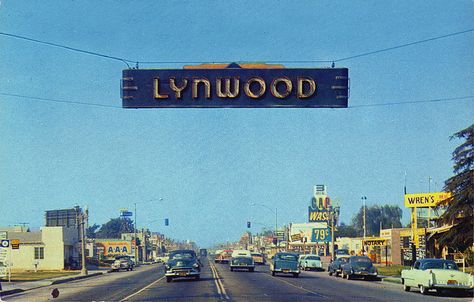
<point>227,93</point>
<point>206,83</point>
<point>177,89</point>
<point>312,87</point>
<point>274,90</point>
<point>249,92</point>
<point>157,94</point>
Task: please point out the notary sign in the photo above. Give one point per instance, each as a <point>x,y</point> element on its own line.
<point>375,242</point>
<point>235,87</point>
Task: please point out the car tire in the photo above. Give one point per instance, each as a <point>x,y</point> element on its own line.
<point>349,277</point>
<point>231,269</point>
<point>329,273</point>
<point>405,287</point>
<point>296,275</point>
<point>251,269</point>
<point>423,290</point>
<point>342,275</point>
<point>273,273</point>
<point>169,279</point>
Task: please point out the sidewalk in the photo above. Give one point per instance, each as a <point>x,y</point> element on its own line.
<point>10,288</point>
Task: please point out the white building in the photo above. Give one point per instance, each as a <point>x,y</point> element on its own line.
<point>51,248</point>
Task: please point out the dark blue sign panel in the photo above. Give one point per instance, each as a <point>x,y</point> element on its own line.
<point>235,87</point>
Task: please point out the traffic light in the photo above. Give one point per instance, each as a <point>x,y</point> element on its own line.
<point>248,224</point>
<point>167,222</point>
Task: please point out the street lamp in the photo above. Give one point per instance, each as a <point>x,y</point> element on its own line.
<point>364,199</point>
<point>135,225</point>
<point>273,211</point>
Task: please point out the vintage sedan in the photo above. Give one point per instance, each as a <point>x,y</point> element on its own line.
<point>258,258</point>
<point>285,263</point>
<point>310,262</point>
<point>335,266</point>
<point>438,274</point>
<point>224,256</point>
<point>242,263</point>
<point>182,263</point>
<point>122,262</point>
<point>358,267</point>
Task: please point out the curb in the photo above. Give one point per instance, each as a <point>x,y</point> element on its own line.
<point>19,290</point>
<point>11,292</point>
<point>392,280</point>
<point>75,278</point>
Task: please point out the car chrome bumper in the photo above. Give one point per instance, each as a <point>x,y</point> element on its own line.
<point>286,271</point>
<point>190,273</point>
<point>241,266</point>
<point>451,286</point>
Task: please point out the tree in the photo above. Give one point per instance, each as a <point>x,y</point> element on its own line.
<point>115,227</point>
<point>459,210</point>
<point>387,215</point>
<point>345,231</point>
<point>92,230</point>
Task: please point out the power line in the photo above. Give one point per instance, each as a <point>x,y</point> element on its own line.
<point>415,102</point>
<point>403,45</point>
<point>356,106</point>
<point>126,61</point>
<point>57,101</point>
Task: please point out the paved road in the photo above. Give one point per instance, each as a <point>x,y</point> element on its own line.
<point>218,283</point>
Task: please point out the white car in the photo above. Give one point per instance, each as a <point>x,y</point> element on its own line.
<point>310,262</point>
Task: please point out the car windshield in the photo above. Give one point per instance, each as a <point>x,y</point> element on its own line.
<point>363,261</point>
<point>439,265</point>
<point>312,258</point>
<point>286,257</point>
<point>182,255</point>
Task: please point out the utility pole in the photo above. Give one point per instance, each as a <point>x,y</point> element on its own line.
<point>135,235</point>
<point>332,233</point>
<point>364,199</point>
<point>82,217</point>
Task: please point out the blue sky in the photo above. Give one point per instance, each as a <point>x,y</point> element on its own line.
<point>209,165</point>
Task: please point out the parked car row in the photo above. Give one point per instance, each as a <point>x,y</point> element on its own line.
<point>353,267</point>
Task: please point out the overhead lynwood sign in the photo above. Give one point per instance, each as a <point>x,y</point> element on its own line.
<point>235,87</point>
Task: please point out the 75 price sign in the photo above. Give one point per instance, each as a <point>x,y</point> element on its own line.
<point>321,235</point>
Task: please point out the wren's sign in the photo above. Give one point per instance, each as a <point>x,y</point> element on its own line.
<point>234,86</point>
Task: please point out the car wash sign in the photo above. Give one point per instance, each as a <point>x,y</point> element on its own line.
<point>235,86</point>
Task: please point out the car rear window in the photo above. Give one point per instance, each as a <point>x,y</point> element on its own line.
<point>312,258</point>
<point>439,265</point>
<point>286,257</point>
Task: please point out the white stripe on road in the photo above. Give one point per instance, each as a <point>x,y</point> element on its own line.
<point>295,286</point>
<point>134,294</point>
<point>217,281</point>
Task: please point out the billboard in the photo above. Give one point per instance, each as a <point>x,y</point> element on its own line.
<point>115,247</point>
<point>232,86</point>
<point>421,200</point>
<point>313,232</point>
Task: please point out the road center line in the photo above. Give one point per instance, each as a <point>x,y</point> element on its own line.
<point>134,294</point>
<point>217,280</point>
